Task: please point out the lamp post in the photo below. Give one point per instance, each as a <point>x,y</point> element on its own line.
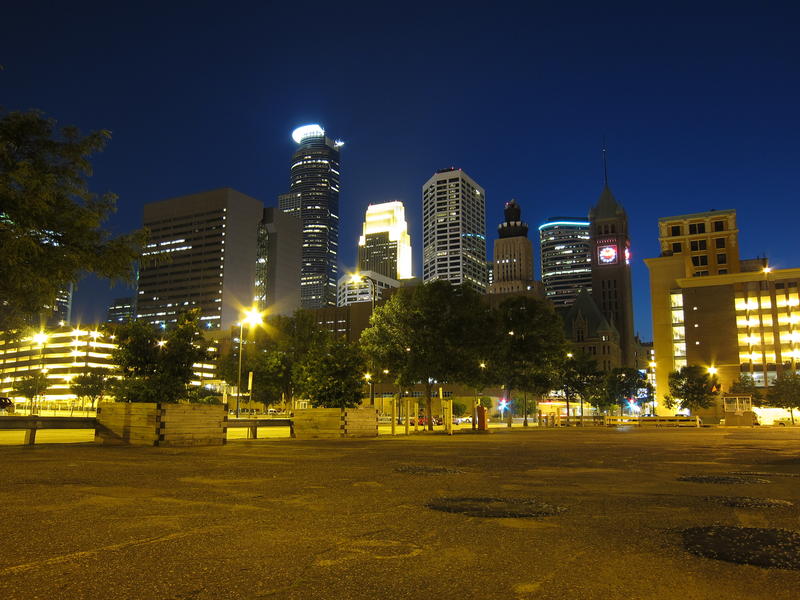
<point>41,339</point>
<point>368,378</point>
<point>252,317</point>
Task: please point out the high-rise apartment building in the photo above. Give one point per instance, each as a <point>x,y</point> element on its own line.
<point>513,254</point>
<point>454,230</point>
<point>201,254</point>
<point>314,197</point>
<point>278,260</point>
<point>385,246</point>
<point>566,259</point>
<point>611,270</point>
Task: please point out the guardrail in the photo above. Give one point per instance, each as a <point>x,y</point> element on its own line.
<point>31,424</point>
<point>252,425</point>
<point>653,421</point>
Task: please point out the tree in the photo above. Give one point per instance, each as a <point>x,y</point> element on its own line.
<point>746,386</point>
<point>579,378</point>
<point>274,354</point>
<point>332,374</point>
<point>622,384</point>
<point>429,333</point>
<point>692,387</point>
<point>156,368</point>
<point>785,393</point>
<point>31,386</point>
<point>459,409</point>
<point>527,347</point>
<point>91,385</point>
<point>51,225</point>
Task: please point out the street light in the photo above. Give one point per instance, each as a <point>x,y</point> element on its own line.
<point>41,339</point>
<point>252,317</point>
<point>359,278</point>
<point>368,377</point>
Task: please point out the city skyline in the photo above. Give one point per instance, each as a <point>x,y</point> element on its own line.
<point>697,113</point>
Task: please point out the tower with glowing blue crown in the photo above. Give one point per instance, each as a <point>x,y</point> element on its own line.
<point>314,198</point>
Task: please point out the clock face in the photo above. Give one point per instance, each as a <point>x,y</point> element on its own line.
<point>607,255</point>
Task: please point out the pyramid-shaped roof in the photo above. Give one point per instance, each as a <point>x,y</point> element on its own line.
<point>587,308</point>
<point>607,206</point>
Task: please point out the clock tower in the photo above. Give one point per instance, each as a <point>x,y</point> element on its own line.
<point>611,269</point>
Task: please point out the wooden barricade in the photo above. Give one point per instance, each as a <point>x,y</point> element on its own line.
<point>161,424</point>
<point>335,423</point>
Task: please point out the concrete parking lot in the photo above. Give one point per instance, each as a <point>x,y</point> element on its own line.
<point>352,519</point>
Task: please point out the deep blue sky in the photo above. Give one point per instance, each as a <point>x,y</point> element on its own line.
<point>699,111</point>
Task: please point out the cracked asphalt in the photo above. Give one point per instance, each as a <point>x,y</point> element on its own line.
<point>348,518</point>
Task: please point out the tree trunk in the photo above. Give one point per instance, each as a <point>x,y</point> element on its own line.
<point>429,406</point>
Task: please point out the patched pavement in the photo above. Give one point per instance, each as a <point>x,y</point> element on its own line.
<point>596,514</point>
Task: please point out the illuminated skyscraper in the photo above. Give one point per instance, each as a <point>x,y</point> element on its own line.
<point>454,230</point>
<point>385,246</point>
<point>314,197</point>
<point>566,259</point>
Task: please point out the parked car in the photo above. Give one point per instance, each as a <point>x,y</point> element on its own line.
<point>783,422</point>
<point>6,406</point>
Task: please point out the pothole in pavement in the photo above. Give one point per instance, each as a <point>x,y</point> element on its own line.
<point>763,474</point>
<point>724,479</point>
<point>749,502</point>
<point>496,508</point>
<point>763,547</point>
<point>427,470</point>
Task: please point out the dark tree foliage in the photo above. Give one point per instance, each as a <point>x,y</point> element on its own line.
<point>746,386</point>
<point>429,333</point>
<point>785,393</point>
<point>156,366</point>
<point>528,346</point>
<point>274,353</point>
<point>692,387</point>
<point>619,385</point>
<point>31,385</point>
<point>331,375</point>
<point>51,225</point>
<point>92,385</point>
<point>580,379</point>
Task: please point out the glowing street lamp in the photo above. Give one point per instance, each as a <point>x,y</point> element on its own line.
<point>252,317</point>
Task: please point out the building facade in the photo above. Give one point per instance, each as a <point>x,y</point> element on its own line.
<point>708,242</point>
<point>591,333</point>
<point>454,230</point>
<point>385,246</point>
<point>734,317</point>
<point>201,254</point>
<point>121,310</point>
<point>566,259</point>
<point>611,270</point>
<point>278,261</point>
<point>513,254</point>
<point>314,197</point>
<point>63,353</point>
<point>366,286</point>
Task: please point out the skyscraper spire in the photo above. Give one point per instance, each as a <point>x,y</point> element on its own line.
<point>605,163</point>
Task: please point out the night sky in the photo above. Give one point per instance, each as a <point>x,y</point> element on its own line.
<point>698,111</point>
